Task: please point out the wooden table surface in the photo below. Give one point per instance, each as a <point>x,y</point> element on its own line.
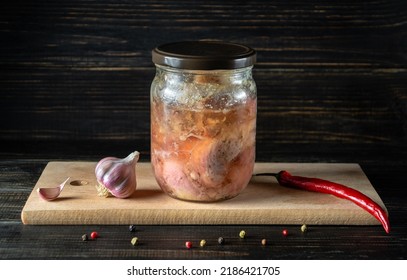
<point>332,87</point>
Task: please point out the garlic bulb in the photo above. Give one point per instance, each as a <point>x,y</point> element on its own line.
<point>117,176</point>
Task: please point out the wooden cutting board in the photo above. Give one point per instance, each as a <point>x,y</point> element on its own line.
<point>264,201</point>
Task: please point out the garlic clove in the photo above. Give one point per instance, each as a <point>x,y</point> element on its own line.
<point>51,193</point>
<point>117,176</point>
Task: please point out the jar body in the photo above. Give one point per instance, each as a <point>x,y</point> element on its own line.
<point>203,128</point>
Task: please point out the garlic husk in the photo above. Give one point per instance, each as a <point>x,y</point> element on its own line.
<point>117,176</point>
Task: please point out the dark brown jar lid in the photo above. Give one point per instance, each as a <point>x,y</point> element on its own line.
<point>204,55</point>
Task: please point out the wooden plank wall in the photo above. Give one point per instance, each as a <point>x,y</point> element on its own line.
<point>328,73</point>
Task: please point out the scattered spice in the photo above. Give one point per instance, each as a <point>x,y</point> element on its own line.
<point>94,235</point>
<point>202,243</point>
<point>134,241</point>
<point>242,234</point>
<point>285,232</point>
<point>221,240</point>
<point>304,228</point>
<point>132,228</point>
<point>188,244</point>
<point>264,242</point>
<point>85,237</point>
<point>323,186</point>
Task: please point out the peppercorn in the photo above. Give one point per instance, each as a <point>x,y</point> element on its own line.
<point>132,228</point>
<point>94,235</point>
<point>285,232</point>
<point>134,241</point>
<point>202,243</point>
<point>85,237</point>
<point>304,228</point>
<point>221,240</point>
<point>188,244</point>
<point>242,234</point>
<point>264,242</point>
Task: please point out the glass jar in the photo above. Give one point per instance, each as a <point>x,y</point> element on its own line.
<point>203,119</point>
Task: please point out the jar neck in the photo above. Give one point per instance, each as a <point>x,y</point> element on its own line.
<point>240,73</point>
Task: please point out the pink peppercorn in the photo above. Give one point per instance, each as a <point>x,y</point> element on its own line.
<point>188,244</point>
<point>285,232</point>
<point>94,235</point>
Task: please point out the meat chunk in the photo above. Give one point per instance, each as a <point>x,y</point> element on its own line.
<point>210,160</point>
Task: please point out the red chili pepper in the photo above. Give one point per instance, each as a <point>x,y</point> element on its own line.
<point>323,186</point>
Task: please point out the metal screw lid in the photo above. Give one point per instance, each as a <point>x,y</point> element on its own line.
<point>204,55</point>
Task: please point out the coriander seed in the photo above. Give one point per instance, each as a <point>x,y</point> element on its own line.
<point>134,241</point>
<point>242,234</point>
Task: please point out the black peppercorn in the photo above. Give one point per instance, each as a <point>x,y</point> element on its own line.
<point>132,228</point>
<point>84,237</point>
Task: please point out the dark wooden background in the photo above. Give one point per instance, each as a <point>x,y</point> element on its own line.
<point>332,87</point>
